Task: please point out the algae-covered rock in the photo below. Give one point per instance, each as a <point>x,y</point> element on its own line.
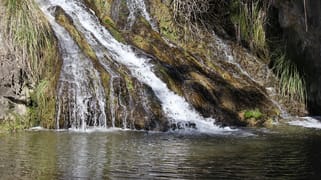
<point>129,103</point>
<point>211,87</point>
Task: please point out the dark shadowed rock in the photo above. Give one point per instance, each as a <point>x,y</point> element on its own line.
<point>302,36</point>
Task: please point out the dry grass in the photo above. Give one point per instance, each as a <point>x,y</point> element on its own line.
<point>196,17</point>
<point>30,35</point>
<point>33,41</point>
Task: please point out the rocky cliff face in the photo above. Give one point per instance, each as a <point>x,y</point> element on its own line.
<point>205,72</point>
<point>300,21</point>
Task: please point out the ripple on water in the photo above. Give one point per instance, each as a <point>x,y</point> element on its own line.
<point>151,155</point>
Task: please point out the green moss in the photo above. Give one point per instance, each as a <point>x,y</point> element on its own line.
<point>110,25</point>
<point>256,114</point>
<point>165,20</point>
<point>67,23</point>
<point>102,9</point>
<point>15,123</point>
<point>129,83</point>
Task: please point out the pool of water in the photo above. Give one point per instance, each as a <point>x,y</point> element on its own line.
<point>273,154</point>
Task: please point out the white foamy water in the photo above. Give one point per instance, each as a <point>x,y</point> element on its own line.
<point>175,107</point>
<point>79,83</point>
<point>226,50</point>
<point>96,130</point>
<point>308,122</point>
<point>37,128</point>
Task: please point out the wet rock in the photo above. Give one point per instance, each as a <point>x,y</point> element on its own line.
<point>130,103</point>
<point>214,92</point>
<point>183,125</point>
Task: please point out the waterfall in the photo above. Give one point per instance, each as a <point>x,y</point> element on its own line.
<point>175,107</point>
<point>139,7</point>
<point>226,50</point>
<point>80,93</point>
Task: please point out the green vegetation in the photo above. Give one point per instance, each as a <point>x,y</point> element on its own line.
<point>109,24</point>
<point>33,41</point>
<point>15,123</point>
<point>102,9</point>
<point>291,83</point>
<point>42,109</point>
<point>249,19</point>
<point>31,35</point>
<point>256,114</point>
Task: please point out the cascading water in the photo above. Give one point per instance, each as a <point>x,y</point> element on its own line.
<point>139,7</point>
<point>80,98</point>
<point>226,50</point>
<point>175,107</point>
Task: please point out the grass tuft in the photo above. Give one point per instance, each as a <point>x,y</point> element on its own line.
<point>249,19</point>
<point>34,43</point>
<point>291,83</point>
<point>30,35</point>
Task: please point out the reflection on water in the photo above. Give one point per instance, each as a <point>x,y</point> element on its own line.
<point>141,155</point>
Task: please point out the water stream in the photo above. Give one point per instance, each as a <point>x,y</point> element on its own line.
<point>225,49</point>
<point>80,93</point>
<point>174,106</point>
<point>139,7</point>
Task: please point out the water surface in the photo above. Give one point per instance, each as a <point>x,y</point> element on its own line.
<point>294,154</point>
